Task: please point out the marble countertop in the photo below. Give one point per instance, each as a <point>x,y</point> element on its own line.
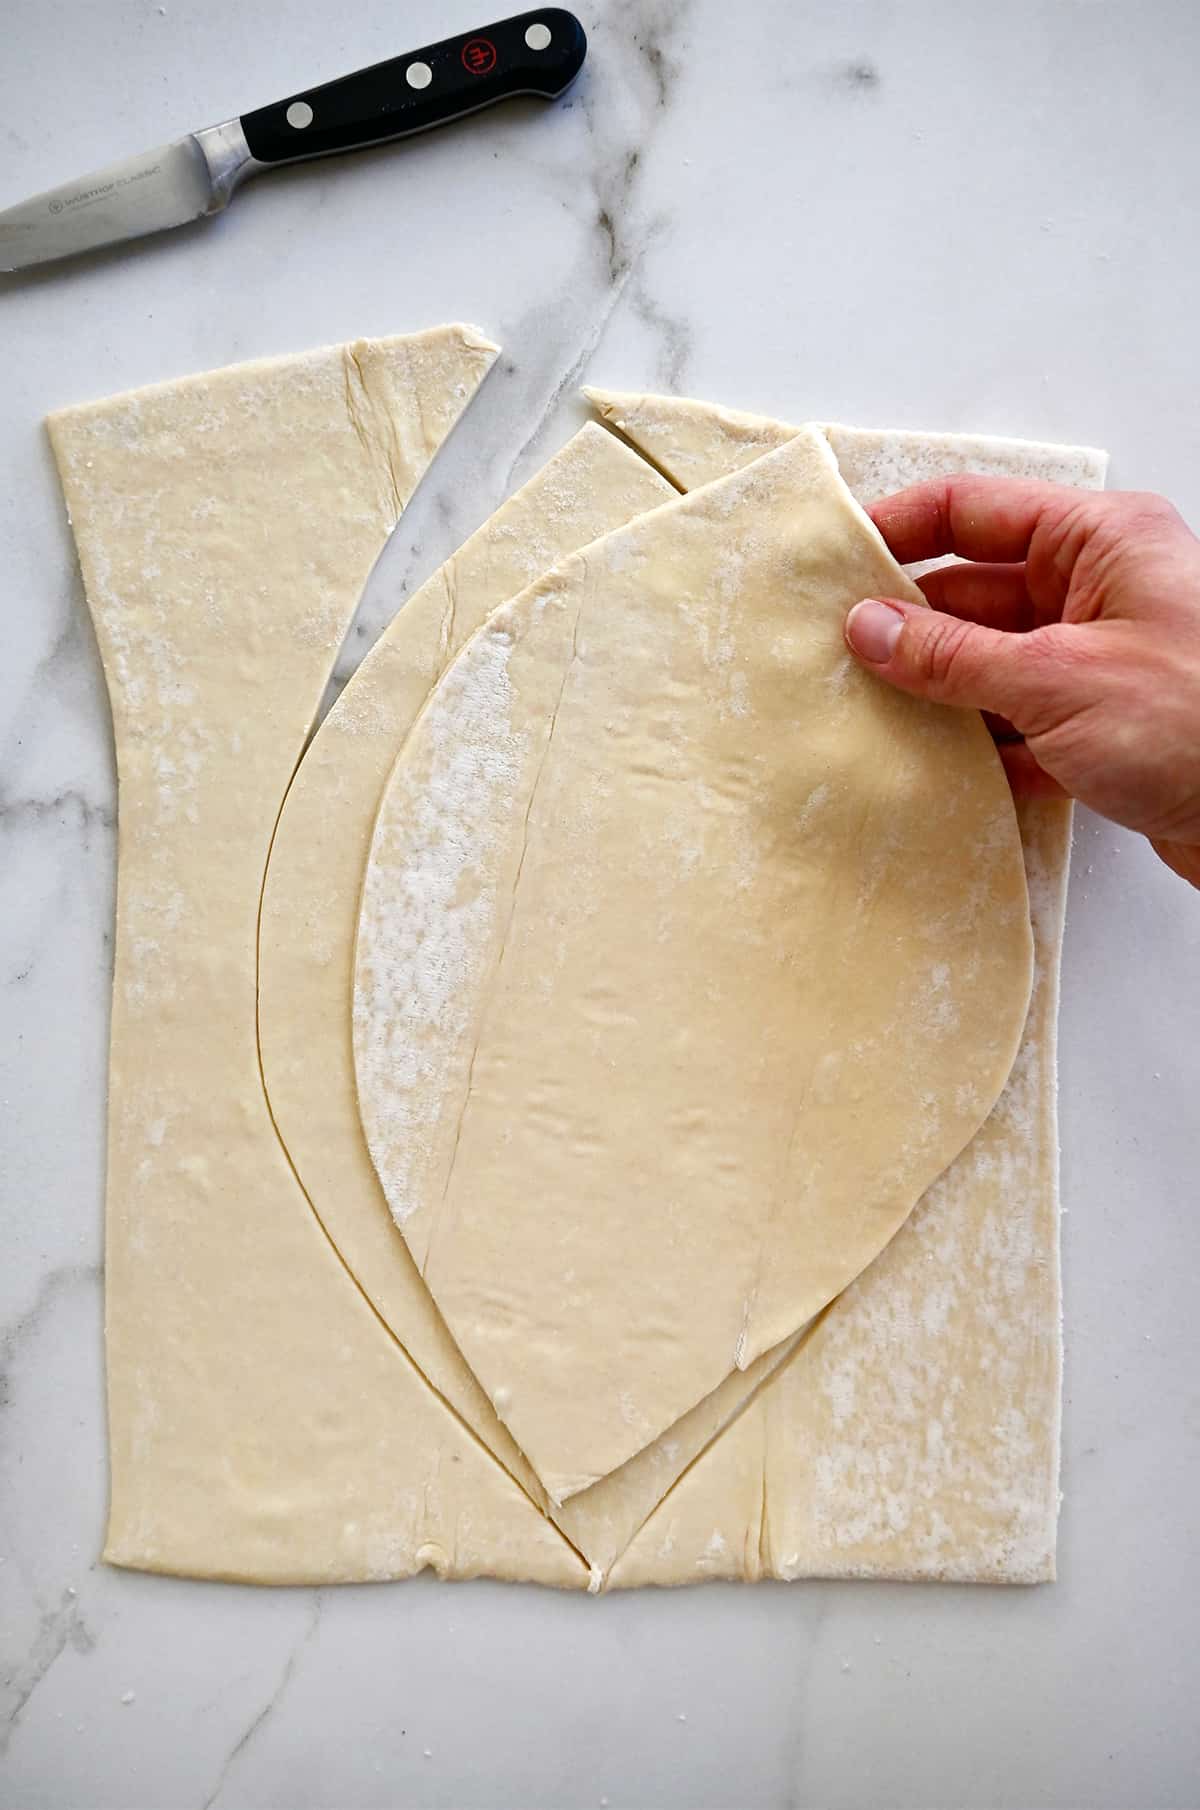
<point>945,214</point>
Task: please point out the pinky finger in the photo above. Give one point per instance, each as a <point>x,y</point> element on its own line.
<point>1025,776</point>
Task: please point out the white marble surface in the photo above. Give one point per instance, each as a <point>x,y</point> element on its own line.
<point>955,215</point>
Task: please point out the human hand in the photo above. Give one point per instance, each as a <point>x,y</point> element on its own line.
<point>1074,626</point>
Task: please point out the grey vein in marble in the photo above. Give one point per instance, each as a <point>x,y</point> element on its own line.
<point>58,1628</point>
<point>623,107</point>
<point>16,1332</point>
<point>63,1624</point>
<point>71,808</point>
<point>623,99</point>
<point>261,1716</point>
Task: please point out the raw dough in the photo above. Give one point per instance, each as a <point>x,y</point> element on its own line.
<point>263,1424</point>
<point>916,1434</point>
<point>696,442</point>
<point>306,959</point>
<point>673,993</point>
<point>314,878</point>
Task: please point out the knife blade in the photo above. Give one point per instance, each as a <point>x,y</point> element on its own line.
<point>538,53</point>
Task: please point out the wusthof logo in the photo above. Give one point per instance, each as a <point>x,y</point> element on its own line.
<point>479,56</point>
<point>84,197</point>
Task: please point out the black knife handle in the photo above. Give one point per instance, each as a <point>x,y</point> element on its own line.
<point>535,53</point>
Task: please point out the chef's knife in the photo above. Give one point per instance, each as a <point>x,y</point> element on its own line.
<point>537,53</point>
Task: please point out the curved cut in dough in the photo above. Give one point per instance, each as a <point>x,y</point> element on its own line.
<point>952,1332</point>
<point>688,957</point>
<point>263,1425</point>
<point>692,443</point>
<point>695,442</point>
<point>314,877</point>
<point>306,959</point>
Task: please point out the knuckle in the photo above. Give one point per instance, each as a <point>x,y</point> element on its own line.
<point>1058,663</point>
<point>1145,511</point>
<point>943,499</point>
<point>945,652</point>
<point>1048,650</point>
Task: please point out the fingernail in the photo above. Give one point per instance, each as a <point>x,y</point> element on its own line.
<point>873,629</point>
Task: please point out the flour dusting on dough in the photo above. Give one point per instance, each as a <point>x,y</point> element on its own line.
<point>428,908</point>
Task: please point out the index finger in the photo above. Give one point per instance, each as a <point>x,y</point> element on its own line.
<point>975,517</point>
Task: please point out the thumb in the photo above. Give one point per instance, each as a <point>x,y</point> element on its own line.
<point>944,658</point>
